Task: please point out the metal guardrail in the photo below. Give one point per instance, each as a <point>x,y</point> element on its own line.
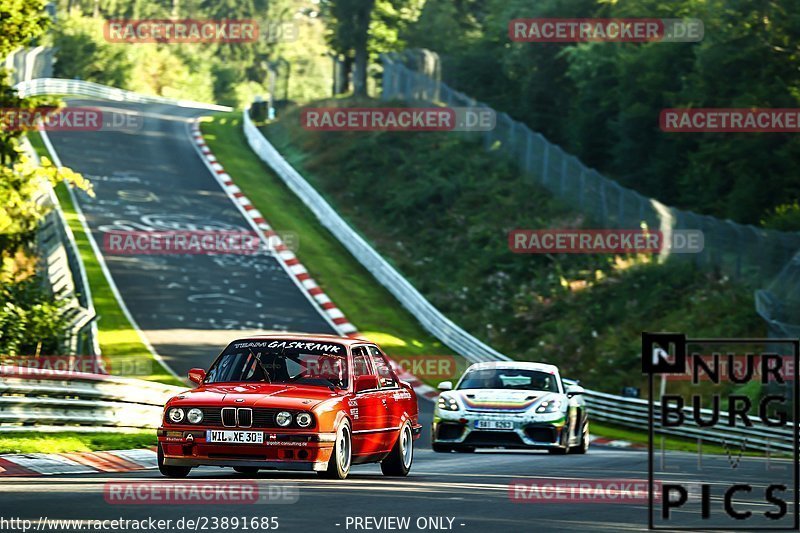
<point>82,400</point>
<point>43,86</point>
<point>623,411</point>
<point>65,272</point>
<point>32,397</point>
<point>26,64</point>
<point>635,412</point>
<point>431,318</point>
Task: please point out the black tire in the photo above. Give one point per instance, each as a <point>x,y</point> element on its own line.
<point>398,462</point>
<point>583,446</point>
<point>248,470</point>
<point>341,458</point>
<point>441,448</point>
<point>171,471</point>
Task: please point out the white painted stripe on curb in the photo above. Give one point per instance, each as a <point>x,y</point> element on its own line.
<point>145,458</point>
<point>47,464</point>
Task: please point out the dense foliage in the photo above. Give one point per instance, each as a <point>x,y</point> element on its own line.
<point>440,208</point>
<point>30,320</point>
<point>601,101</point>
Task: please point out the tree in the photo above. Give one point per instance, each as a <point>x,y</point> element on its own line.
<point>348,26</point>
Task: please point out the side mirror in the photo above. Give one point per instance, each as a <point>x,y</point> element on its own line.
<point>445,385</point>
<point>197,375</point>
<point>365,383</point>
<point>574,390</point>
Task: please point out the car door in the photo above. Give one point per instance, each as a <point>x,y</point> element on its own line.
<point>368,410</point>
<point>394,398</point>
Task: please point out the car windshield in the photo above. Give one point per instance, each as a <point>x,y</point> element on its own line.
<point>509,378</point>
<point>286,362</point>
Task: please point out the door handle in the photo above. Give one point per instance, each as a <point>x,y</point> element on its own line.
<point>383,401</point>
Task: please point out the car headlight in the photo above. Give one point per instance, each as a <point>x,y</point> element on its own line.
<point>447,403</point>
<point>549,406</point>
<point>195,415</point>
<point>284,418</point>
<point>175,415</point>
<point>304,420</point>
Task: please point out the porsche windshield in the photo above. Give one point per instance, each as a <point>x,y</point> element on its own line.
<point>509,378</point>
<point>287,362</point>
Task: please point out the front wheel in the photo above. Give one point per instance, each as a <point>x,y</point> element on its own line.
<point>171,471</point>
<point>583,445</point>
<point>339,463</point>
<point>398,462</point>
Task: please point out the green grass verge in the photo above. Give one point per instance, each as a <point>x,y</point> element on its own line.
<point>439,207</point>
<point>120,344</point>
<point>611,431</point>
<point>37,442</point>
<point>365,302</point>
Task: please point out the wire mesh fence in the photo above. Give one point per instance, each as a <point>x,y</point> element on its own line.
<point>736,250</point>
<point>762,257</point>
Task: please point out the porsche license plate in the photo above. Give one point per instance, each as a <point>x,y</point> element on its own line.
<point>502,425</point>
<point>235,437</point>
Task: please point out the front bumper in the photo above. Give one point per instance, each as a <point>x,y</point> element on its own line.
<point>457,430</point>
<point>279,451</point>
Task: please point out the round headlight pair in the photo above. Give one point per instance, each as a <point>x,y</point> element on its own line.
<point>176,415</point>
<point>447,403</point>
<point>284,418</point>
<point>304,420</point>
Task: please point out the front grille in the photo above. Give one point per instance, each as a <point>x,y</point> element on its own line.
<point>212,417</point>
<point>256,418</point>
<point>541,434</point>
<point>229,416</point>
<point>245,417</point>
<point>265,418</point>
<point>450,431</point>
<point>494,438</point>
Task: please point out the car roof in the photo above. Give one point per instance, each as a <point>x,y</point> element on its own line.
<point>321,337</point>
<point>520,365</point>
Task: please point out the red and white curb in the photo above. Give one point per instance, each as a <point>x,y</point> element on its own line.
<point>614,443</point>
<point>44,464</point>
<point>288,260</point>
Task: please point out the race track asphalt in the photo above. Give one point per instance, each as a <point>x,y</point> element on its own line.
<point>189,306</point>
<point>151,178</point>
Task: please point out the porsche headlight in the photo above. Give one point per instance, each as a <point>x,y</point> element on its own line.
<point>195,415</point>
<point>447,403</point>
<point>304,420</point>
<point>175,415</point>
<point>549,406</point>
<point>284,418</point>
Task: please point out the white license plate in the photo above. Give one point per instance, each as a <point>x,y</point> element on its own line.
<point>494,424</point>
<point>235,437</point>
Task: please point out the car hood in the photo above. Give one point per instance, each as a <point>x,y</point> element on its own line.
<point>255,395</point>
<point>500,399</point>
